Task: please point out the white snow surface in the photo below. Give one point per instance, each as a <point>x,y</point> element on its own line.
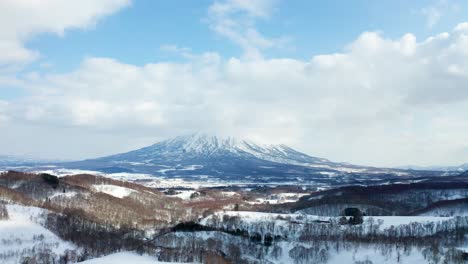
<point>63,195</point>
<point>126,257</point>
<point>385,222</point>
<point>280,198</point>
<point>255,217</point>
<point>163,182</point>
<point>201,143</point>
<point>389,221</point>
<point>23,231</point>
<point>185,168</point>
<point>116,191</point>
<point>185,194</point>
<point>60,172</point>
<point>453,210</point>
<point>371,254</point>
<point>464,249</point>
<point>229,194</point>
<point>355,255</point>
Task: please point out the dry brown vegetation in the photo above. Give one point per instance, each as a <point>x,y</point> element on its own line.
<point>101,223</point>
<point>143,208</point>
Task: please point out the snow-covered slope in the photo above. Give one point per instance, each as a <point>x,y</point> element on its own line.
<point>296,227</point>
<point>280,224</point>
<point>206,146</point>
<point>449,210</point>
<point>202,155</point>
<point>123,258</point>
<point>22,235</point>
<point>113,190</point>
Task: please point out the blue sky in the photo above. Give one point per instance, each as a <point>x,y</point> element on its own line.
<point>135,34</point>
<point>368,82</point>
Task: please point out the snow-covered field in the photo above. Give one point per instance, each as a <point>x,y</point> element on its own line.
<point>280,198</point>
<point>248,216</point>
<point>364,254</point>
<point>186,168</point>
<point>185,194</point>
<point>455,210</point>
<point>22,235</point>
<point>195,181</point>
<point>63,195</point>
<point>116,191</point>
<point>292,225</point>
<point>388,221</point>
<point>160,182</point>
<point>123,258</point>
<point>285,252</point>
<point>60,172</point>
<point>143,179</point>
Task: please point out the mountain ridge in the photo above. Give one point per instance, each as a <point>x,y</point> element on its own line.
<point>207,145</point>
<point>206,157</point>
<point>201,156</point>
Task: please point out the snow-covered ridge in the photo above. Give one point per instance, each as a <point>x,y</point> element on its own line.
<point>229,158</point>
<point>199,146</point>
<point>23,235</point>
<point>205,145</point>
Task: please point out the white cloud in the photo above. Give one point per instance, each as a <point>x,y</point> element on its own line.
<point>3,114</point>
<point>462,27</point>
<point>433,15</point>
<point>235,20</point>
<point>22,19</point>
<point>381,102</point>
<point>253,8</point>
<point>435,11</point>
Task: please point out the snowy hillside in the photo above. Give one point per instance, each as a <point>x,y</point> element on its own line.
<point>124,258</point>
<point>110,221</point>
<point>280,224</point>
<point>202,146</point>
<point>23,236</point>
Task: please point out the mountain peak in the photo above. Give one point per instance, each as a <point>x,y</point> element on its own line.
<point>201,142</point>
<point>201,154</point>
<point>196,147</point>
<point>206,145</point>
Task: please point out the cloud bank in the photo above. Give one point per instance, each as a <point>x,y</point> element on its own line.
<point>379,101</point>
<point>21,20</point>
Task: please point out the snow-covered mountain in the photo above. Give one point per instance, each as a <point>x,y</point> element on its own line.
<point>459,168</point>
<point>206,147</point>
<point>17,160</point>
<point>7,159</point>
<point>206,156</point>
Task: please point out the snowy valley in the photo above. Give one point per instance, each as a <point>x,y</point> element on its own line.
<point>99,219</point>
<point>205,199</point>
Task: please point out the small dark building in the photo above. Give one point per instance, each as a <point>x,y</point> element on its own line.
<point>352,211</point>
<point>355,214</point>
<point>465,256</point>
<point>52,180</point>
